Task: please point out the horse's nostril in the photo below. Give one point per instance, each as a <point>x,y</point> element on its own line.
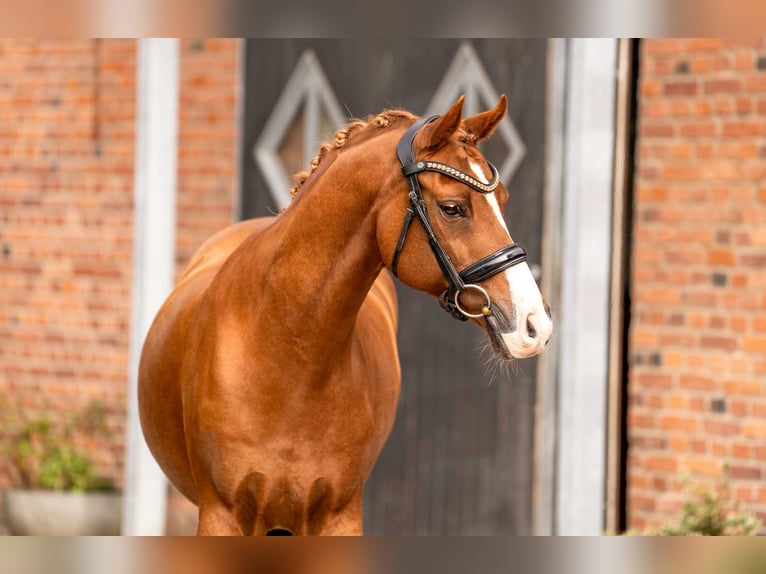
<point>531,331</point>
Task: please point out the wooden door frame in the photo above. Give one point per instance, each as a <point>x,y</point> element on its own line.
<point>579,412</point>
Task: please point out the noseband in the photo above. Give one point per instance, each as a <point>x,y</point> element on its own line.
<point>477,272</point>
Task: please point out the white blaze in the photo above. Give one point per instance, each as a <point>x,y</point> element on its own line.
<point>525,294</point>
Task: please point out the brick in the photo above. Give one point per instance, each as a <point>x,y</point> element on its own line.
<point>676,339</point>
<point>653,380</point>
<point>661,463</point>
<point>743,387</point>
<point>741,128</point>
<point>739,450</point>
<point>758,238</point>
<point>697,446</point>
<point>657,130</point>
<point>655,109</point>
<point>702,44</point>
<point>739,472</point>
<point>682,88</point>
<point>644,337</point>
<point>678,443</point>
<point>736,300</point>
<point>759,323</point>
<point>655,46</point>
<point>696,404</point>
<point>672,359</point>
<point>676,401</point>
<point>723,343</point>
<point>724,257</point>
<point>754,259</point>
<point>678,423</point>
<point>754,429</point>
<point>744,106</point>
<point>700,65</point>
<point>755,83</point>
<point>641,420</point>
<point>650,88</point>
<point>722,170</point>
<point>704,151</point>
<point>720,449</point>
<point>754,344</point>
<point>759,452</point>
<point>727,85</point>
<point>643,503</point>
<point>704,466</point>
<point>740,365</point>
<point>637,481</point>
<point>721,427</point>
<point>744,61</point>
<point>755,172</point>
<point>681,150</point>
<point>648,442</point>
<point>668,507</point>
<point>681,172</point>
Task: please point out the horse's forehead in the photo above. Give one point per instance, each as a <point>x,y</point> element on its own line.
<point>460,154</point>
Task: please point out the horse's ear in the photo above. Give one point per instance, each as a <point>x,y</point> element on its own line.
<point>482,125</point>
<point>441,129</point>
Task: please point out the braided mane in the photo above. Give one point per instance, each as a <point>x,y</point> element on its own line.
<point>343,135</point>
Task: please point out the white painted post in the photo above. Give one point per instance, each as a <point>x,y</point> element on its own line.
<point>546,413</point>
<point>583,326</point>
<point>145,495</point>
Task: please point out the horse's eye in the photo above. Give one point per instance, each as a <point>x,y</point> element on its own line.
<point>452,210</point>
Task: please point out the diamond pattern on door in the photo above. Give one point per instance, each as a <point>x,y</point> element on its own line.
<point>306,114</point>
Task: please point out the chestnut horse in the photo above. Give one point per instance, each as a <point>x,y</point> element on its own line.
<point>269,379</point>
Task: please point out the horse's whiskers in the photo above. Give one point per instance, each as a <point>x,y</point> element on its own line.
<point>495,368</point>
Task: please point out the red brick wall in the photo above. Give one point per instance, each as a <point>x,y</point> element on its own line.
<point>697,386</point>
<point>67,122</point>
<point>66,173</point>
<point>208,142</point>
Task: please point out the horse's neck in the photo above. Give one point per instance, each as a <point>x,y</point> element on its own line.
<point>323,260</point>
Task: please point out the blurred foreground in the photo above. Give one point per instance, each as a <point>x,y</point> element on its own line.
<point>340,556</point>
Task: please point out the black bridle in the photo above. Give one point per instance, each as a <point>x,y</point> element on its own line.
<point>477,272</point>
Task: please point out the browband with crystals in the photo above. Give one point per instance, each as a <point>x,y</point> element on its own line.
<point>456,174</point>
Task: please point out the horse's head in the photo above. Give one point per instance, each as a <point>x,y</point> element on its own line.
<point>471,264</point>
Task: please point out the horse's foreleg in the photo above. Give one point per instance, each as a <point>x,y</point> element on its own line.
<point>216,520</point>
<point>347,522</point>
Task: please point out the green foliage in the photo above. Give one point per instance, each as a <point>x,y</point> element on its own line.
<point>44,455</point>
<point>710,512</point>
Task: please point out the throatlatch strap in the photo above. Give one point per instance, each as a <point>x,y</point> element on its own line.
<point>409,214</point>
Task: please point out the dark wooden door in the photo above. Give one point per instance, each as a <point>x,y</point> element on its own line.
<point>459,459</point>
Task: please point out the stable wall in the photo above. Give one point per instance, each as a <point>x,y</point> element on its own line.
<point>697,350</point>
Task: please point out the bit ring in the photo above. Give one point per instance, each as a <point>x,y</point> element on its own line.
<point>488,306</point>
